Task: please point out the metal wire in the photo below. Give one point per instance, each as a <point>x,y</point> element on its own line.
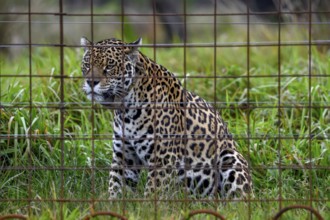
<point>248,105</point>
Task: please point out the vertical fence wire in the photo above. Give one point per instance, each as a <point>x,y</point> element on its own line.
<point>30,108</point>
<point>154,106</point>
<point>279,110</point>
<point>310,104</point>
<point>248,90</point>
<point>62,107</point>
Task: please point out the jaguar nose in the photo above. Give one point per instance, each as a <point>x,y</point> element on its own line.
<point>92,83</point>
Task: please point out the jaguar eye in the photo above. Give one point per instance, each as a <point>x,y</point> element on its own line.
<point>105,71</point>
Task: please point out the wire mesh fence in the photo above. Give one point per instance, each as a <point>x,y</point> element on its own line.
<point>263,65</point>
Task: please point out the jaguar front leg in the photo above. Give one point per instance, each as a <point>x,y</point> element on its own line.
<point>115,180</point>
<point>118,175</point>
<point>161,180</point>
<point>123,174</point>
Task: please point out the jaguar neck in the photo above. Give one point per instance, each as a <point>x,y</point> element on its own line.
<point>150,67</point>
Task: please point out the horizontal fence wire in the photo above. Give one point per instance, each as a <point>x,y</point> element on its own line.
<point>265,70</point>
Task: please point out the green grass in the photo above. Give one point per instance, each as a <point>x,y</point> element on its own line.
<point>86,162</point>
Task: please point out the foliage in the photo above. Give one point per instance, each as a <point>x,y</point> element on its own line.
<point>69,150</point>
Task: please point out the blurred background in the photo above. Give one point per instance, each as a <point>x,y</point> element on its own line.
<point>128,20</point>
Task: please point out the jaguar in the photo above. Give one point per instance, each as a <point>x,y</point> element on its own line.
<point>177,137</point>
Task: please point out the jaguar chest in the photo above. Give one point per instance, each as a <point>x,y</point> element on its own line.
<point>134,128</point>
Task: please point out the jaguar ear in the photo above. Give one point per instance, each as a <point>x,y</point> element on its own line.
<point>85,43</point>
<point>137,43</point>
<point>133,49</point>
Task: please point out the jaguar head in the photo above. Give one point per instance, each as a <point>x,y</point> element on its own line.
<point>108,68</point>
